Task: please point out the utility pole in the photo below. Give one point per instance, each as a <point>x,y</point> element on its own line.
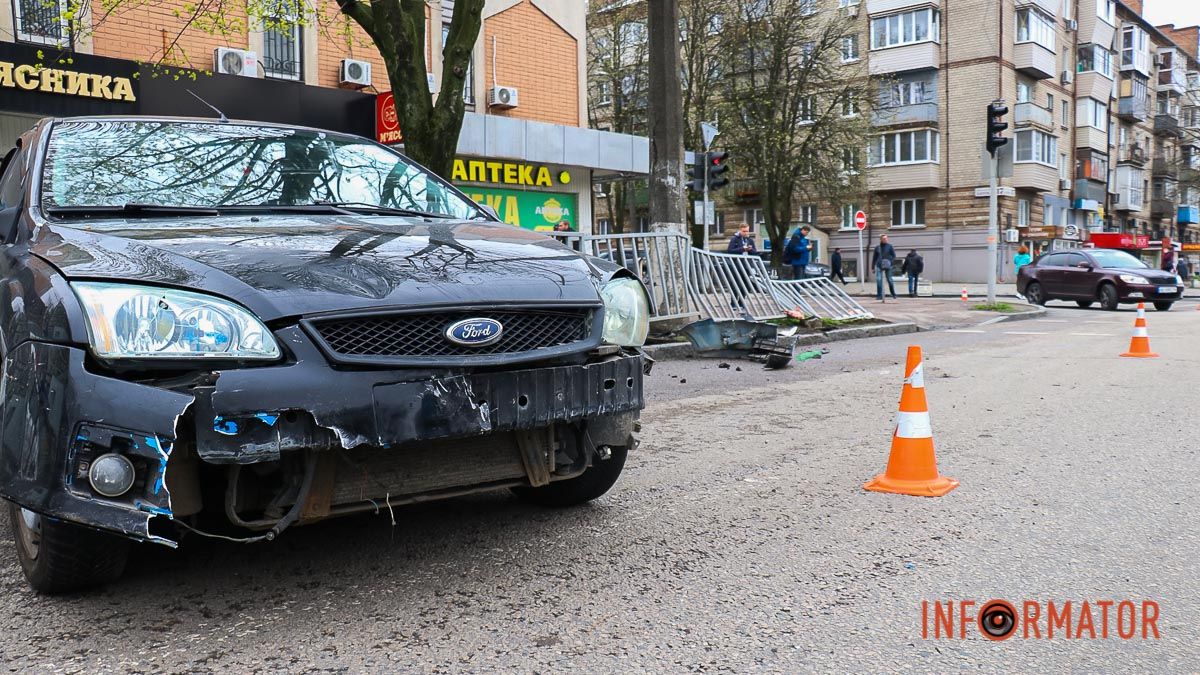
<point>668,198</point>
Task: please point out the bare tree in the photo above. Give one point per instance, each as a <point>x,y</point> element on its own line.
<point>796,116</point>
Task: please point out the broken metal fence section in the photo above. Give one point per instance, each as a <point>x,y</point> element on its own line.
<point>688,282</point>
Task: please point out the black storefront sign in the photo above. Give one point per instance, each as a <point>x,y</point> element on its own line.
<point>50,82</point>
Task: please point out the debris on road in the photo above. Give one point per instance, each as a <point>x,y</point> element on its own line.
<point>756,340</point>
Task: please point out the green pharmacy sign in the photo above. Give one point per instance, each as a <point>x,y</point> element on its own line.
<point>528,209</point>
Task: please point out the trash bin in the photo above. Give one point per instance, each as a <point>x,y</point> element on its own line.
<point>924,288</point>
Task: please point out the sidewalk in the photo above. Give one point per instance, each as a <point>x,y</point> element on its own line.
<point>977,292</point>
<point>935,313</point>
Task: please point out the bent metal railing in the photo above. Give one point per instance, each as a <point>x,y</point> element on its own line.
<point>685,282</point>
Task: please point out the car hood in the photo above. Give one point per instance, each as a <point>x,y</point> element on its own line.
<point>291,266</point>
<point>1153,276</point>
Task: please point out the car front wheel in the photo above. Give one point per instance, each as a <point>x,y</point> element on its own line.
<point>597,480</point>
<point>1108,297</point>
<point>1163,305</point>
<point>1034,292</point>
<point>59,558</point>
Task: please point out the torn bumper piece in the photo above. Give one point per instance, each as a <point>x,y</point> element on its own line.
<point>757,340</point>
<point>58,415</point>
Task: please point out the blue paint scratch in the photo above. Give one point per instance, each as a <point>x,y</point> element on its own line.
<point>267,418</point>
<point>157,510</point>
<point>163,455</point>
<point>224,426</point>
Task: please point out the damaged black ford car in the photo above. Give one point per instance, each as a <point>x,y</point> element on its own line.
<point>227,328</point>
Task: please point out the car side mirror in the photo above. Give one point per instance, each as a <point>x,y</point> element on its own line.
<point>490,211</point>
<point>1086,265</point>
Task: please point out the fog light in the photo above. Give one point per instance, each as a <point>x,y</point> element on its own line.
<point>111,475</point>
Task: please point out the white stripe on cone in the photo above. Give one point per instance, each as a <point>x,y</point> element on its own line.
<point>913,425</point>
<point>917,379</point>
<point>1141,313</point>
<point>1140,331</point>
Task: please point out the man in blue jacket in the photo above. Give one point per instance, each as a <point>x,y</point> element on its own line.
<point>798,252</point>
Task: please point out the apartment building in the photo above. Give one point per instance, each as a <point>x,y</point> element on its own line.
<point>1103,130</point>
<point>525,148</point>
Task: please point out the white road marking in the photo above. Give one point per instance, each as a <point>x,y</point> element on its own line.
<point>1024,332</point>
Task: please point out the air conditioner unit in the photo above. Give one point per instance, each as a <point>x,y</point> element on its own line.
<point>1012,235</point>
<point>502,97</point>
<point>1068,76</point>
<point>235,62</point>
<point>1072,24</point>
<point>852,11</point>
<point>1064,184</point>
<point>356,72</point>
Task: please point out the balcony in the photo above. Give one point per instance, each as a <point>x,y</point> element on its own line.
<point>1133,108</point>
<point>1050,7</point>
<point>1134,155</point>
<point>1035,176</point>
<point>889,6</point>
<point>1173,80</point>
<point>1027,114</point>
<point>1091,137</point>
<point>1166,124</point>
<point>1163,207</point>
<point>1035,61</point>
<point>920,56</point>
<point>1094,85</point>
<point>1165,167</point>
<point>904,177</point>
<point>1089,189</point>
<point>918,113</point>
<point>1128,189</point>
<point>1187,214</point>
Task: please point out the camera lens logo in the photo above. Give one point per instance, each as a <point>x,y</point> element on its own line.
<point>997,620</point>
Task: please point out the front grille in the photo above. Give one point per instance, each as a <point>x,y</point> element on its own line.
<point>414,335</point>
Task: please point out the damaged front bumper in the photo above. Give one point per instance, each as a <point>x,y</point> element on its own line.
<point>58,415</point>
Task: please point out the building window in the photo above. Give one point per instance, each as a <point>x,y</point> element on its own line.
<point>849,48</point>
<point>41,22</point>
<point>603,88</point>
<point>1064,170</point>
<point>901,29</point>
<point>1094,58</point>
<point>849,106</point>
<point>908,213</point>
<point>1091,113</point>
<point>282,52</point>
<point>1133,49</point>
<point>808,109</point>
<point>1106,9</point>
<point>1037,147</point>
<point>847,3</point>
<point>753,217</point>
<point>1033,26</point>
<point>808,7</point>
<point>808,214</point>
<point>1066,113</point>
<point>1092,165</point>
<point>1024,91</point>
<point>905,147</point>
<point>631,34</point>
<point>848,212</point>
<point>1022,213</point>
<point>849,161</point>
<point>1050,103</point>
<point>603,93</point>
<point>908,89</point>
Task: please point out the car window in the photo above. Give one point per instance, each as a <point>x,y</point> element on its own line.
<point>10,180</point>
<point>1053,260</point>
<point>1075,259</point>
<point>1106,257</point>
<point>103,163</point>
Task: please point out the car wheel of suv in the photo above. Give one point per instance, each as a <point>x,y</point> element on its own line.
<point>1163,305</point>
<point>1084,303</point>
<point>1108,297</point>
<point>597,480</point>
<point>58,557</point>
<point>1034,293</point>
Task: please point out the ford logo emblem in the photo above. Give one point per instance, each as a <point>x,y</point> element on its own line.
<point>478,332</point>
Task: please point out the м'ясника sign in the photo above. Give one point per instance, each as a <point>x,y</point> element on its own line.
<point>67,82</point>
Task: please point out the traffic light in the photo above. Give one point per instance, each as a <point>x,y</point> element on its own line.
<point>717,167</point>
<point>996,125</point>
<point>695,173</point>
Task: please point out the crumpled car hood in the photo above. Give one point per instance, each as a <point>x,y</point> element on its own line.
<point>281,266</point>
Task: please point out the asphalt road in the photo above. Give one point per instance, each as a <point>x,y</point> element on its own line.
<point>740,538</point>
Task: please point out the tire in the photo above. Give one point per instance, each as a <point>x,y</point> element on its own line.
<point>1034,293</point>
<point>598,479</point>
<point>1163,305</point>
<point>59,558</point>
<point>1108,297</point>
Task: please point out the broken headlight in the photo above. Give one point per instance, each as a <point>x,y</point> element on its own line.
<point>626,312</point>
<point>126,321</point>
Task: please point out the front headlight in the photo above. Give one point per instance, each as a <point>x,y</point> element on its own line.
<point>126,321</point>
<point>1134,279</point>
<point>626,313</point>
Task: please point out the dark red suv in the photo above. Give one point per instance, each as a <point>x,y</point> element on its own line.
<point>1102,275</point>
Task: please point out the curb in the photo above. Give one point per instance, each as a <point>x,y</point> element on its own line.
<point>1017,316</point>
<point>680,350</point>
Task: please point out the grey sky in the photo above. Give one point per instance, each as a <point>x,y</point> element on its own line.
<point>1179,12</point>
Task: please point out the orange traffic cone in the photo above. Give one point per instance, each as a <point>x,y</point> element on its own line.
<point>912,467</point>
<point>1139,344</point>
<point>964,294</point>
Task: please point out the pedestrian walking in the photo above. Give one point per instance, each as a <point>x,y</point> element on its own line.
<point>1184,269</point>
<point>742,242</point>
<point>1021,259</point>
<point>914,264</point>
<point>1168,256</point>
<point>882,260</point>
<point>835,266</point>
<point>798,252</point>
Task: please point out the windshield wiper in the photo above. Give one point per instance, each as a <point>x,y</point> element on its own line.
<point>133,208</point>
<point>382,210</point>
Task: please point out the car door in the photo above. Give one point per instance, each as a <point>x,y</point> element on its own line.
<point>1078,279</point>
<point>1051,273</point>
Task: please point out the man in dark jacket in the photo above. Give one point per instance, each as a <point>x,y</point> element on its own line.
<point>742,242</point>
<point>798,252</point>
<point>835,266</point>
<point>914,264</point>
<point>882,260</point>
